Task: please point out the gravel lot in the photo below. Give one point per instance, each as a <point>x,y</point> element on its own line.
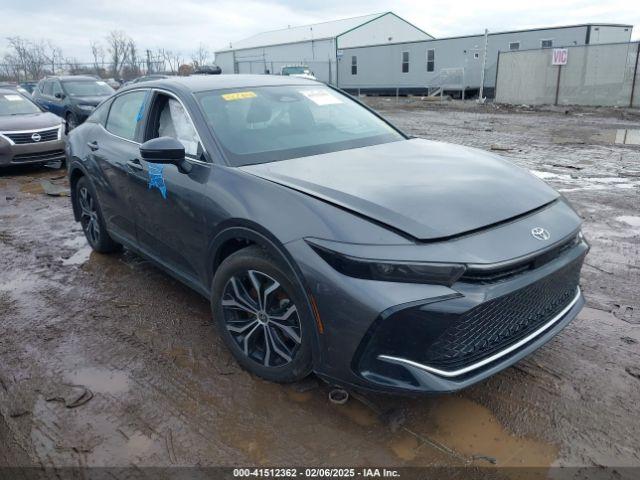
<point>105,360</point>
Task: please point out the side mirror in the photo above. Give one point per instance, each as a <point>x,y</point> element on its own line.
<point>165,150</point>
<point>59,95</point>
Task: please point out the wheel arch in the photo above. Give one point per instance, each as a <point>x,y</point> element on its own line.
<point>233,235</point>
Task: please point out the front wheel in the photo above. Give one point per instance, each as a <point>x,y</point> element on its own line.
<point>262,317</point>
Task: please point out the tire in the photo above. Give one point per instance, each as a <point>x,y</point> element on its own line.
<point>273,341</point>
<point>71,122</point>
<point>92,220</point>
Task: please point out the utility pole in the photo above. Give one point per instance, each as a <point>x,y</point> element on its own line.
<point>481,98</point>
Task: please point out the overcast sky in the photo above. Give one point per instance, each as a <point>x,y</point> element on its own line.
<point>181,24</point>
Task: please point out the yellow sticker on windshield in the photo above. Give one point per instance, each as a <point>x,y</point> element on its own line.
<point>238,96</point>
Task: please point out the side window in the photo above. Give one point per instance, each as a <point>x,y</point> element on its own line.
<point>124,114</point>
<point>57,88</point>
<point>354,65</point>
<point>431,60</point>
<point>546,43</point>
<point>173,121</point>
<point>405,62</point>
<point>47,88</point>
<point>514,46</point>
<point>99,115</point>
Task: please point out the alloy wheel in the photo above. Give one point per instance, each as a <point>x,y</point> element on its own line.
<point>261,318</point>
<point>89,216</point>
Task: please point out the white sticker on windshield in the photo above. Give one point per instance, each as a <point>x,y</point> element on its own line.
<point>101,83</point>
<point>321,97</point>
<point>13,98</point>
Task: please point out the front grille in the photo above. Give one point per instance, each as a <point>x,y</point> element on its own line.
<point>495,325</point>
<point>495,275</point>
<point>27,137</point>
<point>39,156</point>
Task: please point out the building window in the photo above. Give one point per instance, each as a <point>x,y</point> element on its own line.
<point>476,55</point>
<point>514,46</point>
<point>431,62</point>
<point>405,62</point>
<point>546,43</point>
<point>354,65</point>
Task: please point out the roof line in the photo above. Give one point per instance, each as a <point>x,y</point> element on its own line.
<point>314,24</point>
<point>505,32</point>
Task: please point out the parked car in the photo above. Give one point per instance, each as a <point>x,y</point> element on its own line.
<point>28,86</point>
<point>325,238</point>
<point>148,78</point>
<point>208,70</point>
<point>71,97</point>
<point>113,83</point>
<point>18,88</point>
<point>299,71</point>
<point>27,134</point>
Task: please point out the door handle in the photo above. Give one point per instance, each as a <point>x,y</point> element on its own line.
<point>134,164</point>
<point>93,146</point>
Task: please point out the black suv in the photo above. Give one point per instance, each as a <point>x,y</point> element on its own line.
<point>71,97</point>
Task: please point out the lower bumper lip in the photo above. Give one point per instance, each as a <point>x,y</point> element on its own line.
<point>490,359</point>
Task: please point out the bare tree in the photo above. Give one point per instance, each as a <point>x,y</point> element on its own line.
<point>173,60</point>
<point>97,52</point>
<point>54,56</point>
<point>29,58</point>
<point>200,56</point>
<point>133,60</point>
<point>118,46</point>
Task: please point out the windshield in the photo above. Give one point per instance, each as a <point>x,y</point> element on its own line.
<point>16,104</point>
<point>295,70</point>
<point>266,124</point>
<point>87,88</point>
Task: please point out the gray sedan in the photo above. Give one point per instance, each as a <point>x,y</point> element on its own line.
<point>327,240</point>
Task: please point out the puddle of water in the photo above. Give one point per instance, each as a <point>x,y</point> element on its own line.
<point>100,380</point>
<point>405,446</point>
<point>627,137</point>
<point>470,429</point>
<point>629,220</point>
<point>78,258</point>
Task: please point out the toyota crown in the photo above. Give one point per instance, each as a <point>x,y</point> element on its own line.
<point>325,238</point>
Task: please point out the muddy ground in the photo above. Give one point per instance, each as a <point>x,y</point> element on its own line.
<point>107,361</point>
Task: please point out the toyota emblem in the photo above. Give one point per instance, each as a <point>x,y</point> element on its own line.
<point>36,137</point>
<point>540,233</point>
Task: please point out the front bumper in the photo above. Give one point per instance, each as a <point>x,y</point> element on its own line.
<point>386,336</point>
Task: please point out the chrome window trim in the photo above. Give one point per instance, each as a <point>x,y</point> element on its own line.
<point>492,358</point>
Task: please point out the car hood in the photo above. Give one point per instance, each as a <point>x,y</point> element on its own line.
<point>428,190</point>
<point>93,100</point>
<point>31,121</point>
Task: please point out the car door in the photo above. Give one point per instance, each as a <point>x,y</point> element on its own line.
<point>44,92</point>
<point>167,202</point>
<point>56,100</point>
<point>115,149</point>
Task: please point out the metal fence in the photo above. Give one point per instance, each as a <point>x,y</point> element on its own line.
<point>594,75</point>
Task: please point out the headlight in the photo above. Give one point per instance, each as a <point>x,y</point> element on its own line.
<point>389,271</point>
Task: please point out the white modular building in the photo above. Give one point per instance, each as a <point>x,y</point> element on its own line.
<point>454,64</point>
<point>318,46</point>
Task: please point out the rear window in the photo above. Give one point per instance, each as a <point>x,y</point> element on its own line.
<point>266,124</point>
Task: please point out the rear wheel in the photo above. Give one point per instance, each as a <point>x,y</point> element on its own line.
<point>262,317</point>
<point>91,218</point>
